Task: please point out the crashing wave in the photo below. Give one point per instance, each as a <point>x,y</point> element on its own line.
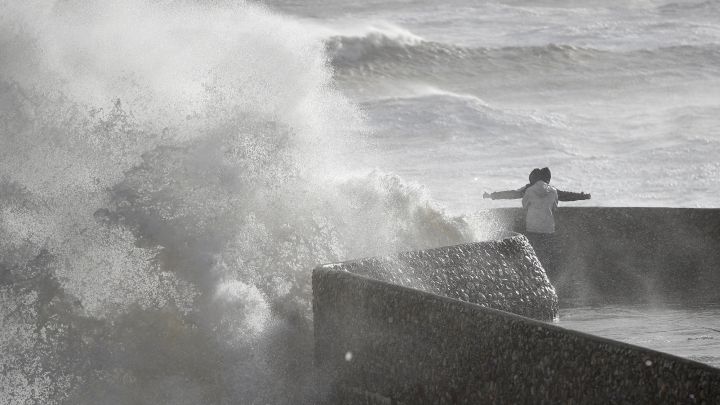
<point>165,192</point>
<point>397,55</point>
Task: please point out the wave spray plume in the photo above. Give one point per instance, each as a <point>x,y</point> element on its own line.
<point>169,175</point>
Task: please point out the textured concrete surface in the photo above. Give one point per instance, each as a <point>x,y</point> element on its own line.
<point>629,254</point>
<point>502,274</point>
<point>380,343</point>
<point>404,330</point>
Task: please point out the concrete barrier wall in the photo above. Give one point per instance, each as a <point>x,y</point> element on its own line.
<point>379,343</point>
<point>630,254</point>
<point>501,274</point>
<point>397,330</point>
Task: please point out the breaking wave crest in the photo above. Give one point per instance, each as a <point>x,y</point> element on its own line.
<point>165,190</point>
<point>398,52</point>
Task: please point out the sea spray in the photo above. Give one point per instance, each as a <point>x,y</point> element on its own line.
<point>169,175</point>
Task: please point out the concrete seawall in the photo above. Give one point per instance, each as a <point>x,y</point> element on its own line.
<point>630,254</point>
<point>502,274</point>
<point>379,343</point>
<point>395,330</point>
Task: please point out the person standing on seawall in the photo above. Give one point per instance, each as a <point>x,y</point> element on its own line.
<point>519,193</point>
<point>540,201</point>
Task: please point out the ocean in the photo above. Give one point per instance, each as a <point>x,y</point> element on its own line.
<point>618,98</point>
<point>171,171</point>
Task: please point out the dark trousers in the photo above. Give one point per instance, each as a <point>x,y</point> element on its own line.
<point>545,249</point>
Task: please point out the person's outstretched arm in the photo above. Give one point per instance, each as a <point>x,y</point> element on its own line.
<point>506,195</point>
<point>572,196</point>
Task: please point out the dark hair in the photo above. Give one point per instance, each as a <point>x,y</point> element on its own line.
<point>545,175</point>
<point>534,176</point>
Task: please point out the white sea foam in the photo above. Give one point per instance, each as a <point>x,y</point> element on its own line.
<point>170,174</point>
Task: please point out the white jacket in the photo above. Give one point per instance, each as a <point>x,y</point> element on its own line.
<point>540,200</point>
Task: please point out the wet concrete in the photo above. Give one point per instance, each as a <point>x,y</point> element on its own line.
<point>604,255</point>
<point>444,326</point>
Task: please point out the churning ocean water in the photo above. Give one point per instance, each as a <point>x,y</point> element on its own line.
<point>619,98</point>
<point>171,171</point>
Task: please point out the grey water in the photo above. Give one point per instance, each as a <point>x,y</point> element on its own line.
<point>692,332</point>
<point>171,171</point>
<point>463,96</point>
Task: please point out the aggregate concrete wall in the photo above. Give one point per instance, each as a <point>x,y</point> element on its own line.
<point>379,343</point>
<point>630,254</point>
<point>501,274</point>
